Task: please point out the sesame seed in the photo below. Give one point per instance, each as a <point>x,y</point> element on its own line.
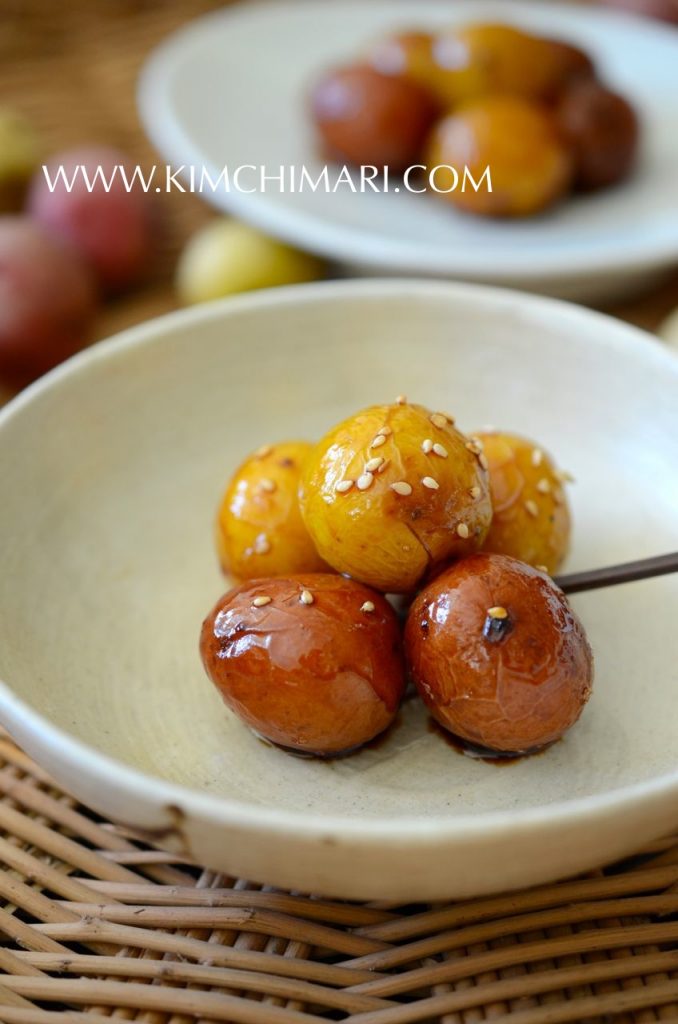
<point>482,459</point>
<point>385,432</point>
<point>401,400</point>
<point>498,612</point>
<point>474,447</point>
<point>344,485</point>
<point>401,487</point>
<point>543,486</point>
<point>378,441</point>
<point>384,464</point>
<point>537,456</point>
<point>463,531</point>
<point>475,492</point>
<point>532,508</point>
<point>367,606</point>
<point>440,450</point>
<point>259,602</point>
<point>306,597</point>
<point>541,568</point>
<point>261,545</point>
<point>427,446</point>
<point>373,465</point>
<point>364,481</point>
<point>439,419</point>
<point>268,485</point>
<point>558,497</point>
<point>565,477</point>
<point>429,482</point>
<point>262,452</point>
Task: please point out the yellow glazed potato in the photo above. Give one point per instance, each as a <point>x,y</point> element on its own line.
<point>227,257</point>
<point>393,491</point>
<point>259,527</point>
<point>531,518</point>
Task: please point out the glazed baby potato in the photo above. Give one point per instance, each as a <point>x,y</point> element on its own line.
<point>365,118</point>
<point>497,654</point>
<point>601,129</point>
<point>531,515</point>
<point>530,165</point>
<point>312,663</point>
<point>487,59</point>
<point>259,526</point>
<point>393,491</point>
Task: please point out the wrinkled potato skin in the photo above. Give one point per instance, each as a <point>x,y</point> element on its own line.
<point>364,117</point>
<point>382,538</point>
<point>488,59</point>
<point>322,678</point>
<point>260,532</point>
<point>530,165</point>
<point>602,131</point>
<point>511,695</point>
<point>543,539</point>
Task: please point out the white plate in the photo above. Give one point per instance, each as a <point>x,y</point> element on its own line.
<point>231,89</point>
<point>111,469</point>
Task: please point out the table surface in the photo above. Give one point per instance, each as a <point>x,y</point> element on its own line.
<point>71,67</point>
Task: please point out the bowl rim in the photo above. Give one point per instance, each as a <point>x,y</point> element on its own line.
<point>64,748</point>
<point>348,245</point>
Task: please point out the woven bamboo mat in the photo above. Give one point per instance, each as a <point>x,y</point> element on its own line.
<point>98,925</point>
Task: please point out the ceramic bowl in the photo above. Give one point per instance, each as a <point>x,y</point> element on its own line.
<point>111,470</point>
<point>231,89</point>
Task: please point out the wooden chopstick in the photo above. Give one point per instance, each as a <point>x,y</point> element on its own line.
<point>592,579</point>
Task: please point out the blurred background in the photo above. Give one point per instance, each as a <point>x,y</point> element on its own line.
<point>68,74</point>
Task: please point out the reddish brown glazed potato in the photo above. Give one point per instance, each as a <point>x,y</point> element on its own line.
<point>497,654</point>
<point>313,662</point>
<point>365,118</point>
<point>530,511</point>
<point>601,130</point>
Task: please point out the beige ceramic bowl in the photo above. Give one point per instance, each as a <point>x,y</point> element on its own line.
<point>110,471</point>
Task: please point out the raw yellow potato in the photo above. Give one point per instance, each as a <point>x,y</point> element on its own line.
<point>531,519</point>
<point>392,492</point>
<point>19,155</point>
<point>259,527</point>
<point>227,257</point>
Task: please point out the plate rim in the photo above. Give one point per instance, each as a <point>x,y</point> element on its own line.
<point>78,756</point>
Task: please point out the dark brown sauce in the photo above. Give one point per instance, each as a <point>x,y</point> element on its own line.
<point>497,758</point>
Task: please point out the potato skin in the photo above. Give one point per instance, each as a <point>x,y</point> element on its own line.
<point>259,529</point>
<point>471,61</point>
<point>530,165</point>
<point>513,694</point>
<point>601,129</point>
<point>524,480</point>
<point>365,118</point>
<point>323,677</point>
<point>379,536</point>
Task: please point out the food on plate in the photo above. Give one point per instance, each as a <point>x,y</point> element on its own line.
<point>530,511</point>
<point>19,155</point>
<point>47,300</point>
<point>601,130</point>
<point>260,531</point>
<point>496,120</point>
<point>226,257</point>
<point>312,663</point>
<point>530,165</point>
<point>365,118</point>
<point>497,59</point>
<point>110,224</point>
<point>392,492</point>
<point>497,654</point>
